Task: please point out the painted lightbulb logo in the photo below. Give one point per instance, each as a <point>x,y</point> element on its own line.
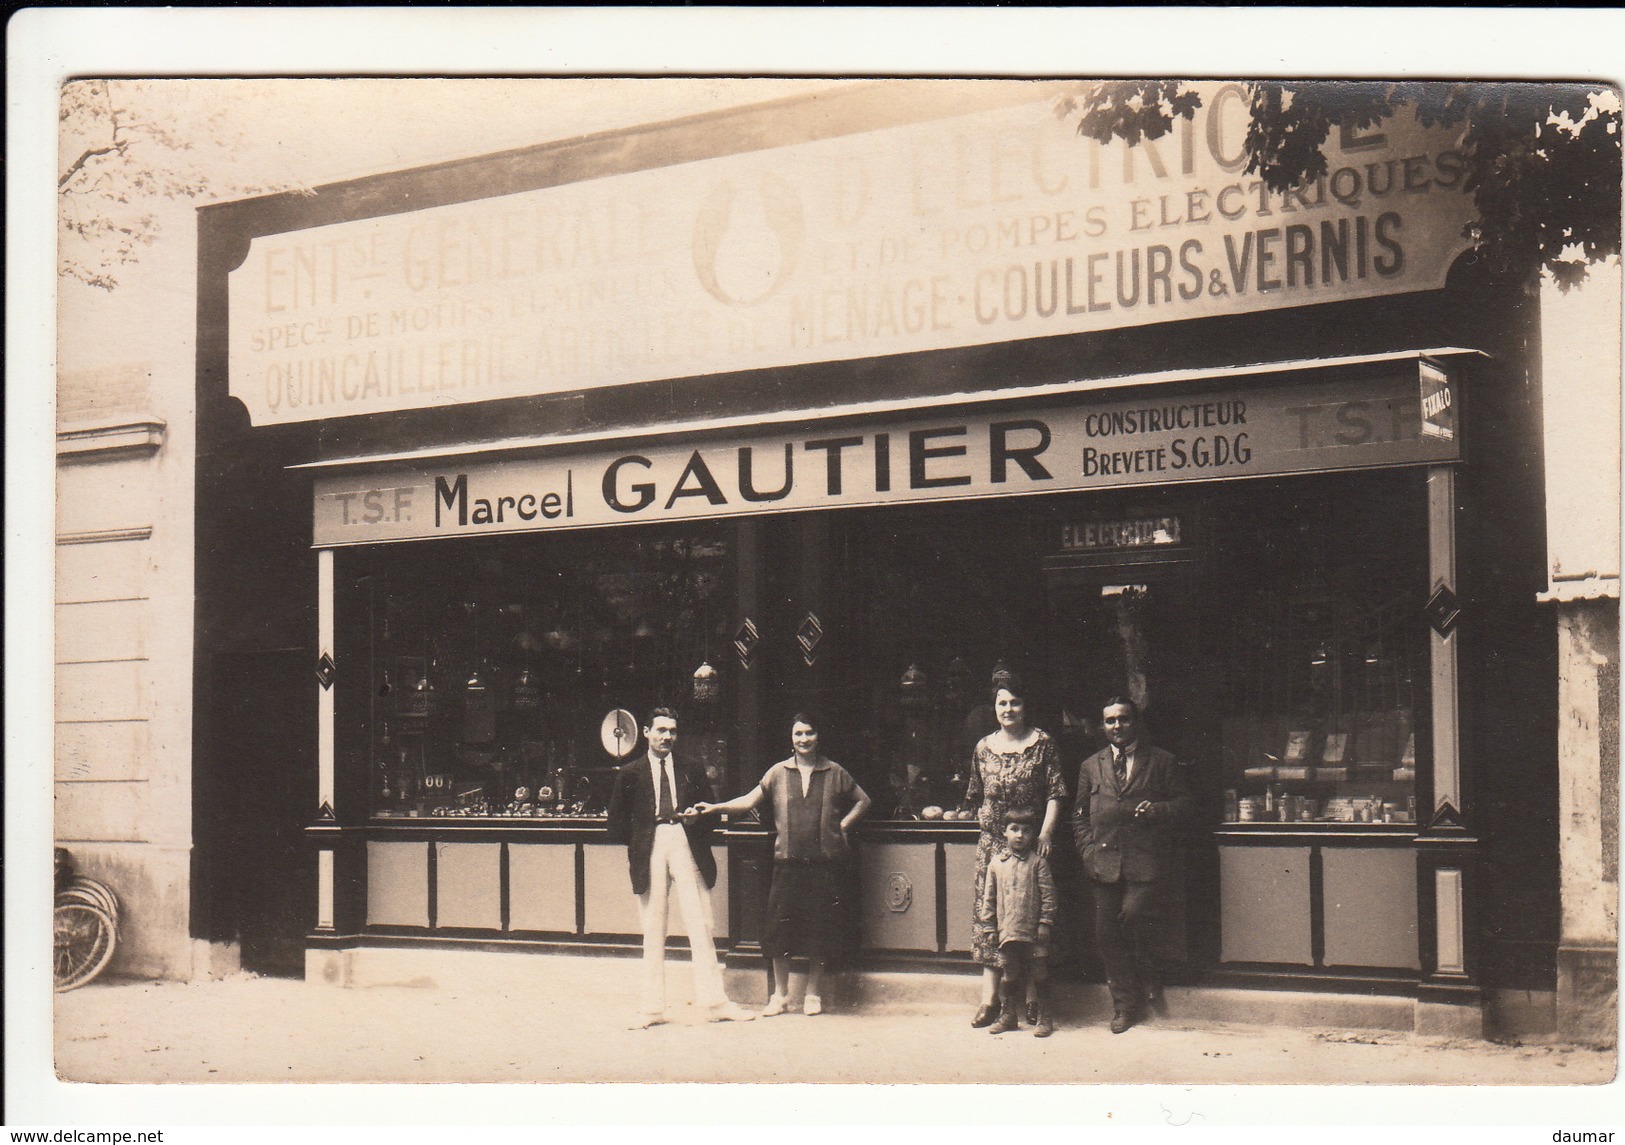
<point>747,242</point>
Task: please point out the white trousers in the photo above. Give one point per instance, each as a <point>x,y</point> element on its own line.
<point>671,867</point>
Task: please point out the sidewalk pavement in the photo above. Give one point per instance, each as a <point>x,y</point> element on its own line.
<point>568,1019</point>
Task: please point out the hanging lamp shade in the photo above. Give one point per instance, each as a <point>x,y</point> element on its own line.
<point>421,701</point>
<point>913,686</point>
<point>479,710</point>
<point>527,695</point>
<point>559,638</point>
<point>707,684</point>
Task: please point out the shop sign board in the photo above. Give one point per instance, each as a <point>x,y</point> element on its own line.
<point>1156,439</point>
<point>970,230</point>
<point>1438,402</point>
<point>1132,533</point>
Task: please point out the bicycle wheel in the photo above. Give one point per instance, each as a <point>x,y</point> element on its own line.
<point>84,940</point>
<point>89,898</point>
<point>94,892</point>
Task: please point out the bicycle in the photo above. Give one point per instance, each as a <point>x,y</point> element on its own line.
<point>84,925</point>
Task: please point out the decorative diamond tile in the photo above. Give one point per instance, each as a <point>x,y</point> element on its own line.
<point>808,635</point>
<point>325,671</point>
<point>746,638</point>
<point>324,813</point>
<point>1446,816</point>
<point>1442,610</point>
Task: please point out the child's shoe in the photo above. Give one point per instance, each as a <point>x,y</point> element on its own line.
<point>812,1004</point>
<point>1008,1020</point>
<point>776,1004</point>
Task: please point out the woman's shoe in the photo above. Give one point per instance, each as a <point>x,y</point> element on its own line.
<point>812,1004</point>
<point>776,1005</point>
<point>984,1017</point>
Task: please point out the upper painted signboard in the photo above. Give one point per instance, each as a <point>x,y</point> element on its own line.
<point>982,228</point>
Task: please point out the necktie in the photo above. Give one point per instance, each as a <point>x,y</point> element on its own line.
<point>1120,766</point>
<point>667,812</point>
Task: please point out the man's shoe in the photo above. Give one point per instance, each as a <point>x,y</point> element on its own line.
<point>812,1004</point>
<point>984,1018</point>
<point>776,1005</point>
<point>1121,1020</point>
<point>1043,1027</point>
<point>728,1012</point>
<point>1032,1011</point>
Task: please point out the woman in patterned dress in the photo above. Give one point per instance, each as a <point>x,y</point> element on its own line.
<point>1016,766</point>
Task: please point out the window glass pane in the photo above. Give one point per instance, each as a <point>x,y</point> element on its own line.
<point>494,664</point>
<point>1325,652</point>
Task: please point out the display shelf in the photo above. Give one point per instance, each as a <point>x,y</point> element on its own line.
<point>1319,831</point>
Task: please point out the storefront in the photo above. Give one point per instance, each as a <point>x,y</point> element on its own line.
<point>919,387</point>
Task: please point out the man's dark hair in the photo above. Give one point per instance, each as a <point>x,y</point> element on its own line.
<point>1122,702</point>
<point>669,712</point>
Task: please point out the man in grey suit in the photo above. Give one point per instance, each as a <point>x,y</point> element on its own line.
<point>1130,798</point>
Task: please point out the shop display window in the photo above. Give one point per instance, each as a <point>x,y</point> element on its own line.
<point>1284,652</point>
<point>947,595</point>
<point>494,668</point>
<point>1281,648</point>
<point>1323,727</point>
<point>1326,659</point>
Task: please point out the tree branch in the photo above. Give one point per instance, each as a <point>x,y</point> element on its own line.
<point>88,156</point>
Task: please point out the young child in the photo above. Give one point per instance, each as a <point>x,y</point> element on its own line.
<point>1018,903</point>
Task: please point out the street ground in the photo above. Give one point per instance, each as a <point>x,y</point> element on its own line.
<point>570,1023</point>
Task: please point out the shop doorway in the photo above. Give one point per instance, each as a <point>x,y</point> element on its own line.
<point>1137,631</point>
<point>259,875</point>
<point>1132,632</point>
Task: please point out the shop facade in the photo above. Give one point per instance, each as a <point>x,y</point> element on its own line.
<point>840,403</point>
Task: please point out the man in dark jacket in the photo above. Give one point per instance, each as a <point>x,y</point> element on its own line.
<point>1130,797</point>
<point>668,848</point>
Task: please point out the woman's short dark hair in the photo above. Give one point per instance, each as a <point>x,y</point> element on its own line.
<point>1004,680</point>
<point>804,717</point>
